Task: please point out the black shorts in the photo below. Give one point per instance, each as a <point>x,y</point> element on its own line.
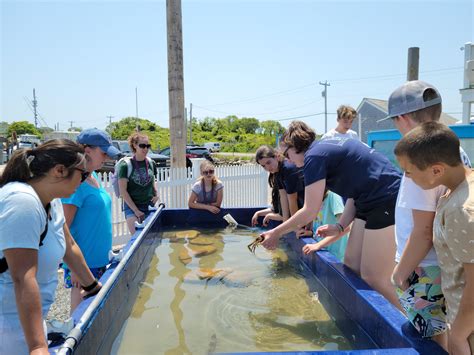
<point>380,216</point>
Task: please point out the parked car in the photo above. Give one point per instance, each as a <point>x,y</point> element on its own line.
<point>191,152</point>
<point>162,161</point>
<point>213,146</point>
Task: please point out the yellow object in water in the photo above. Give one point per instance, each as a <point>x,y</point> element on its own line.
<point>189,234</point>
<point>202,241</point>
<point>201,250</point>
<point>184,257</point>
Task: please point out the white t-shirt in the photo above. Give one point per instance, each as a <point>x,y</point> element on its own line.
<point>333,133</point>
<point>412,197</point>
<point>22,221</point>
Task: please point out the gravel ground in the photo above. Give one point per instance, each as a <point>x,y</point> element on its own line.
<point>61,307</point>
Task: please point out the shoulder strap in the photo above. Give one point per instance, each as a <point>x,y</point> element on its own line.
<point>43,235</point>
<point>129,166</point>
<point>3,261</point>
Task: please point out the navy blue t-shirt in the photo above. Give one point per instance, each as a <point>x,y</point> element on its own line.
<point>353,170</point>
<point>291,179</point>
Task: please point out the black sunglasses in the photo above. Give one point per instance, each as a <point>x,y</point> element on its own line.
<point>143,145</point>
<point>84,174</point>
<point>208,172</point>
<point>285,152</point>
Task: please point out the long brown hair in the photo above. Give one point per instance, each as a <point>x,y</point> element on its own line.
<point>28,164</point>
<point>265,151</point>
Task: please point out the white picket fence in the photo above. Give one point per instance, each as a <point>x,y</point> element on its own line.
<point>244,186</point>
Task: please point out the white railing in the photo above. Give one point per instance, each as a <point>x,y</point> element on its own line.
<point>244,186</point>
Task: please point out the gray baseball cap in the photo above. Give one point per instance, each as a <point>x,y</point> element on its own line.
<point>409,98</point>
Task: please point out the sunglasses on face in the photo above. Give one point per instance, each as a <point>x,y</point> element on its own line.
<point>143,146</point>
<point>208,172</point>
<point>84,174</point>
<point>285,152</point>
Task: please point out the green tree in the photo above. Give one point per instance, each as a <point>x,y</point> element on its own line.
<point>248,124</point>
<point>208,124</point>
<point>4,128</point>
<point>159,137</point>
<point>22,127</point>
<point>272,127</point>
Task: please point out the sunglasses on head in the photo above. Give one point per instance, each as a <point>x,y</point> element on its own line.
<point>143,145</point>
<point>208,172</point>
<point>84,174</point>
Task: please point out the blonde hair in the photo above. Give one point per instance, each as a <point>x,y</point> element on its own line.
<point>206,164</point>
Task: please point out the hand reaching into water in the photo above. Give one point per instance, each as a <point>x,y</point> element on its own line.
<point>271,240</point>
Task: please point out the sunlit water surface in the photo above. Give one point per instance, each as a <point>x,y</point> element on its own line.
<point>226,301</point>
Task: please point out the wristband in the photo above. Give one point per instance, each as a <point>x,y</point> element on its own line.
<point>91,286</point>
<point>93,293</point>
<point>340,227</point>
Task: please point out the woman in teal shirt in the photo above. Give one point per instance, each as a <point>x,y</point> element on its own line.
<point>88,211</point>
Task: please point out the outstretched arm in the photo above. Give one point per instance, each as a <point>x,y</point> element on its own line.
<point>313,199</point>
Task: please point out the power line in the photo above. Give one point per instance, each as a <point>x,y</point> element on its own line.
<point>263,96</point>
<point>384,76</point>
<point>262,113</point>
<point>310,115</point>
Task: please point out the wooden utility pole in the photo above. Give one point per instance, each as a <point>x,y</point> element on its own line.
<point>413,63</point>
<point>176,83</point>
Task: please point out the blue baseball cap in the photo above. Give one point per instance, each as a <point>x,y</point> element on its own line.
<point>97,138</point>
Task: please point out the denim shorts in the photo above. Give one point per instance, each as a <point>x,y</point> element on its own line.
<point>129,213</point>
<point>423,301</point>
<point>96,271</point>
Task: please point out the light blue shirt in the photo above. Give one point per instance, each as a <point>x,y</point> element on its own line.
<point>331,207</point>
<point>92,224</point>
<point>22,221</point>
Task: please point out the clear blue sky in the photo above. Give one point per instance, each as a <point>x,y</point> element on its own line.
<point>260,59</point>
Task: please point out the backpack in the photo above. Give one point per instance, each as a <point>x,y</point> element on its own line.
<point>114,179</point>
<point>3,261</point>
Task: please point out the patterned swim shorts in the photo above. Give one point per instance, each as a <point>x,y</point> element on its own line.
<point>96,271</point>
<point>423,301</point>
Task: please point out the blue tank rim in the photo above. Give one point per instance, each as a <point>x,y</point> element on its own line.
<point>384,323</point>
